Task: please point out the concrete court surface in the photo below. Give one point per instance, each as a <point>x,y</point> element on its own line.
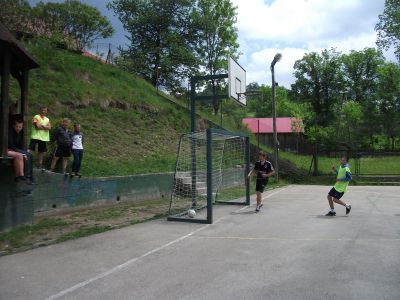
<point>287,251</point>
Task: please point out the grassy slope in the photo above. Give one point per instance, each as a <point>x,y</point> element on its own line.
<point>118,141</point>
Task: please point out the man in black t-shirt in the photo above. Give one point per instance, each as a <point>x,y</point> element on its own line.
<point>64,142</point>
<point>264,170</point>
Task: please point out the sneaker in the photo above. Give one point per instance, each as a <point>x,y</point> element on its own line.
<point>20,178</point>
<point>331,214</point>
<point>261,205</point>
<point>257,208</point>
<point>348,209</point>
<point>31,181</point>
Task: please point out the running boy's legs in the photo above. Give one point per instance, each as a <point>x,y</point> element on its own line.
<point>259,195</point>
<point>334,197</point>
<point>338,201</point>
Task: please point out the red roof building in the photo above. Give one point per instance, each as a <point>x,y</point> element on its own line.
<point>289,130</point>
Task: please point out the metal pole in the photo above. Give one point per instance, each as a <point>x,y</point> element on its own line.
<point>192,104</point>
<point>277,57</point>
<point>258,134</point>
<point>209,178</point>
<point>247,169</point>
<point>274,126</point>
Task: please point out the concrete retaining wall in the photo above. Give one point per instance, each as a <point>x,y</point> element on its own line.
<point>19,202</point>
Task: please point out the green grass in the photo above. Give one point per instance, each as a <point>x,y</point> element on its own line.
<point>16,237</point>
<point>82,233</point>
<point>386,165</point>
<point>54,229</point>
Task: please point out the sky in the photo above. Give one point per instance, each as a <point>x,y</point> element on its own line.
<point>290,27</point>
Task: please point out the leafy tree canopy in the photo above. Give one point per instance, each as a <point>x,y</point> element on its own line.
<point>84,23</point>
<point>388,27</point>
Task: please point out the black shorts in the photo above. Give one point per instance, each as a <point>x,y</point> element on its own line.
<point>41,145</point>
<point>260,185</point>
<point>62,151</point>
<point>335,194</point>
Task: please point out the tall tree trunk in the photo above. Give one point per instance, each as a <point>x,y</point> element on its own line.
<point>215,101</point>
<point>315,159</point>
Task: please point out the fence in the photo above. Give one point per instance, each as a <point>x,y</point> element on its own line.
<point>105,52</point>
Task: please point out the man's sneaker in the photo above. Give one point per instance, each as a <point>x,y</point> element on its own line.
<point>257,208</point>
<point>20,178</point>
<point>348,209</point>
<point>31,181</point>
<point>261,205</point>
<point>331,214</point>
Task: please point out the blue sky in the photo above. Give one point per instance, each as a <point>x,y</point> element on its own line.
<point>291,27</point>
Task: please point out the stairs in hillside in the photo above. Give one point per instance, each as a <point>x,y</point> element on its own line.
<point>183,180</point>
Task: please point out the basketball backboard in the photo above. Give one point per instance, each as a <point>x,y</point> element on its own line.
<point>236,81</point>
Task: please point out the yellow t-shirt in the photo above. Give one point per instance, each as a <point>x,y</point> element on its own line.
<point>40,134</point>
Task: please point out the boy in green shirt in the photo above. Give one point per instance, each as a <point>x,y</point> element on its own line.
<point>342,181</point>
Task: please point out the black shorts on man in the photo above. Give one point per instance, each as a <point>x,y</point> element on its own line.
<point>260,185</point>
<point>63,151</point>
<point>41,145</point>
<point>335,194</point>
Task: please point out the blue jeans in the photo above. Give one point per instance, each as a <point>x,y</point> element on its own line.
<point>78,156</point>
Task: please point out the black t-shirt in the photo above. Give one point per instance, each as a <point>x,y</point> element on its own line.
<point>15,140</point>
<point>63,137</point>
<point>263,168</point>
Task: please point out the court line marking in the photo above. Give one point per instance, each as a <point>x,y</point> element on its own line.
<point>292,239</point>
<point>135,259</point>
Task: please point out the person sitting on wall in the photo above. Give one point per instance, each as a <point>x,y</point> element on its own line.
<point>22,159</point>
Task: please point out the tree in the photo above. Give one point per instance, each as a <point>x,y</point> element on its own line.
<point>216,37</point>
<point>389,100</point>
<point>361,81</point>
<point>84,23</point>
<point>388,27</point>
<point>319,82</point>
<point>15,14</point>
<point>161,44</point>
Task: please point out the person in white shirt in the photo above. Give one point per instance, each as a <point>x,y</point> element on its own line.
<point>77,149</point>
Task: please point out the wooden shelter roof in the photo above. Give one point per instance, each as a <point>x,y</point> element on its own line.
<point>22,59</point>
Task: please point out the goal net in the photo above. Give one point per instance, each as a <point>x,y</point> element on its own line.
<point>211,167</point>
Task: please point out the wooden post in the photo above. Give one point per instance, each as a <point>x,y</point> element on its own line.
<point>24,103</point>
<point>4,107</point>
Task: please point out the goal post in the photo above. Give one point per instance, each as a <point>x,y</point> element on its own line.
<point>211,168</point>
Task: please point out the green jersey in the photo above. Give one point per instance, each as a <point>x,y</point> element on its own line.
<point>344,175</point>
<point>40,134</point>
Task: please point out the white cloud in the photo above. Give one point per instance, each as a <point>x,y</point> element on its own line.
<point>296,27</point>
<point>258,70</point>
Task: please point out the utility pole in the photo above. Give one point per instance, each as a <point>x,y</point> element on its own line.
<point>277,58</point>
